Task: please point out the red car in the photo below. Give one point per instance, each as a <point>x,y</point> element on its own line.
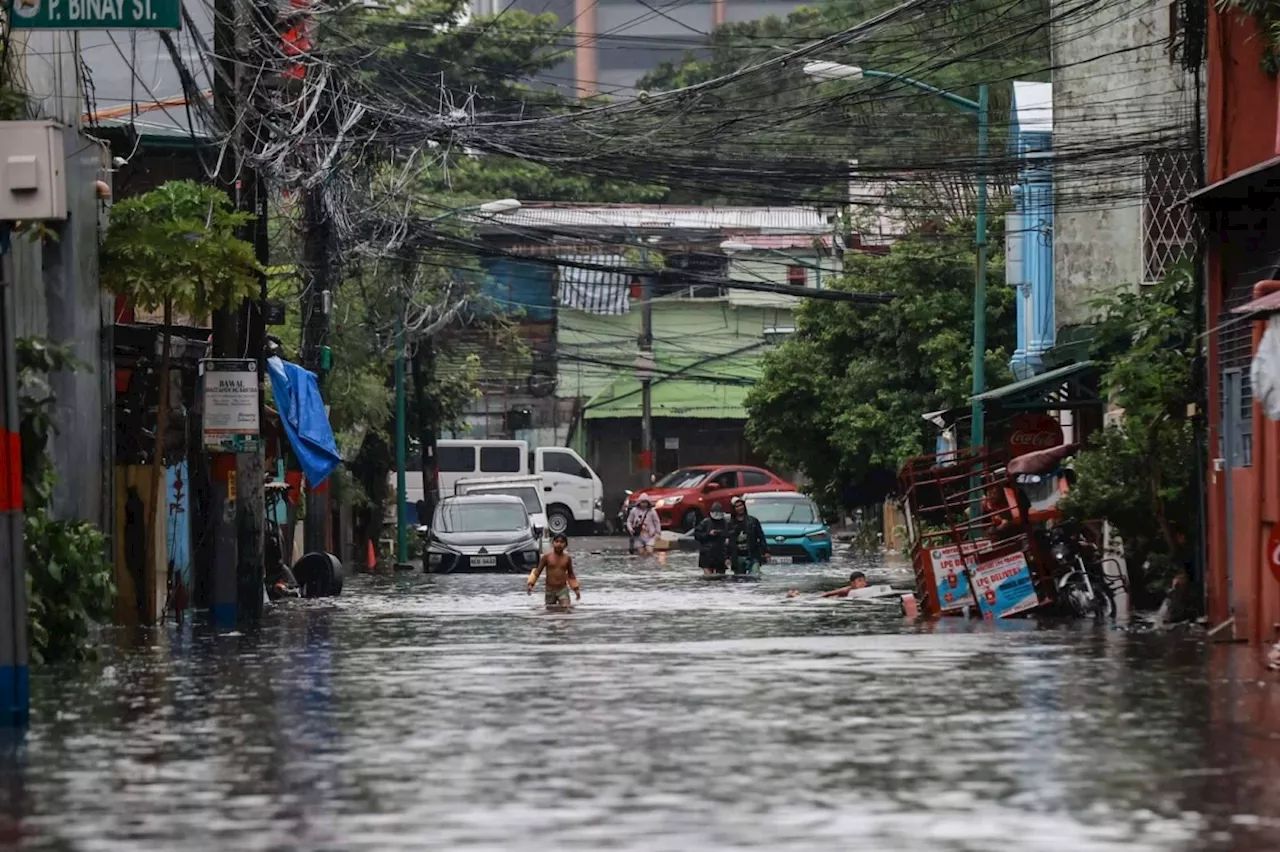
<point>685,496</point>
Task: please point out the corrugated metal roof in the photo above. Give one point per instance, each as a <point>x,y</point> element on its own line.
<point>658,218</point>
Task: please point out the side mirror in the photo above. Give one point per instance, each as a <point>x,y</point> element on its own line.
<point>537,532</point>
<point>709,487</point>
<point>628,492</point>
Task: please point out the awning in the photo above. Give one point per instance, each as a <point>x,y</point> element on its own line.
<point>1044,392</point>
<point>1263,306</point>
<point>1256,186</point>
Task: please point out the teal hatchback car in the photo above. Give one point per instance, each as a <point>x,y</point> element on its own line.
<point>793,529</point>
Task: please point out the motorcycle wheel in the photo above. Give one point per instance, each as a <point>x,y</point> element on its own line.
<point>1087,599</point>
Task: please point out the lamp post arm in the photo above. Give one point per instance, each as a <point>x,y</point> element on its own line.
<point>962,102</point>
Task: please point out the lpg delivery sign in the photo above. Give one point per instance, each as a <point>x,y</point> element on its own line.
<point>1003,586</point>
<point>950,579</point>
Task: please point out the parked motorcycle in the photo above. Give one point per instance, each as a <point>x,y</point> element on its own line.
<point>1080,578</point>
<point>1076,563</point>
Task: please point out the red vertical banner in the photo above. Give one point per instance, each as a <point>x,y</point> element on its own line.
<point>10,472</point>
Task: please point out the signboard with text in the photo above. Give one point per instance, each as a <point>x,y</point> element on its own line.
<point>96,14</point>
<point>950,580</point>
<point>231,422</point>
<point>1003,586</point>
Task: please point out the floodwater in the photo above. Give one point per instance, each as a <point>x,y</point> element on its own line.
<point>665,713</point>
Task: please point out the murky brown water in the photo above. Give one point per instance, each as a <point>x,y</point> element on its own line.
<point>666,713</point>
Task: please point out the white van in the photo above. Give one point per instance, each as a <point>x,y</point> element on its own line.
<point>571,491</point>
<point>527,488</point>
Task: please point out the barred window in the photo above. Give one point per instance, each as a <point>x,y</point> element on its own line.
<point>1169,226</point>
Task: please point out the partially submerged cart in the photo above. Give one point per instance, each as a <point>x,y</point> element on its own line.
<point>973,545</point>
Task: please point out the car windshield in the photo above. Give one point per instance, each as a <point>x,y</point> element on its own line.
<point>783,511</point>
<point>689,477</point>
<point>480,517</point>
<point>526,493</point>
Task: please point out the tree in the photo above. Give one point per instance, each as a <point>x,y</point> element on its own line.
<point>175,249</point>
<point>1138,474</point>
<point>887,126</point>
<point>842,399</point>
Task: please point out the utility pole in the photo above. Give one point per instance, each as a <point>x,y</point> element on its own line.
<point>222,466</point>
<point>424,373</point>
<point>14,702</point>
<point>646,377</point>
<point>316,300</point>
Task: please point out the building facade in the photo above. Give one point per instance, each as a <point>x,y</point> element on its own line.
<point>1124,118</point>
<point>1242,256</point>
<point>611,44</point>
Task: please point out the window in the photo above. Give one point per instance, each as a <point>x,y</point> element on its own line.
<point>564,463</point>
<point>793,511</point>
<point>456,459</point>
<point>1169,227</point>
<point>690,477</point>
<point>755,478</point>
<point>797,276</point>
<point>455,517</point>
<point>500,459</point>
<point>527,494</point>
<point>728,479</point>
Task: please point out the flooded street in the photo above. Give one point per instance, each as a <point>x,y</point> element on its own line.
<point>666,713</point>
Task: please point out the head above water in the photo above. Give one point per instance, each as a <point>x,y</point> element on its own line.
<point>644,501</point>
<point>717,511</point>
<point>739,506</point>
<point>858,580</point>
<point>559,542</point>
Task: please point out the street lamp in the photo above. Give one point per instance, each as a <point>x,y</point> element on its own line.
<point>832,71</point>
<point>489,208</point>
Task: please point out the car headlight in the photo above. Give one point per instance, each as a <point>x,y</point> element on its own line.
<point>531,556</point>
<point>670,501</point>
<point>819,535</point>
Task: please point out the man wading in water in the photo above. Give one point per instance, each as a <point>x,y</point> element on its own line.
<point>747,546</point>
<point>560,576</point>
<point>712,535</point>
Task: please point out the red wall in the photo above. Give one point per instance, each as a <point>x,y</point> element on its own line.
<point>1242,132</point>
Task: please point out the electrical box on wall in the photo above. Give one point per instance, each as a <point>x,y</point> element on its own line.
<point>32,171</point>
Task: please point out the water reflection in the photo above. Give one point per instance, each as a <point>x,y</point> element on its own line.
<point>664,713</point>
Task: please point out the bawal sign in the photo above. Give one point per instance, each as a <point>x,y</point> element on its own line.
<point>1030,432</point>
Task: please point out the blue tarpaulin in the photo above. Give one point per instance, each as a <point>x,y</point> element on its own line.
<point>302,413</point>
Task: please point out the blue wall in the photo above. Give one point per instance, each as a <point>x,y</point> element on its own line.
<point>520,287</point>
<point>1030,249</point>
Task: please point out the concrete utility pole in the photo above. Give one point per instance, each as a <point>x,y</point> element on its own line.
<point>316,235</point>
<point>13,578</point>
<point>646,379</point>
<point>238,500</point>
<point>222,466</point>
<point>424,372</point>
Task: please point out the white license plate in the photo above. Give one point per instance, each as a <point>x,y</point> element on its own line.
<point>781,560</point>
<point>483,561</point>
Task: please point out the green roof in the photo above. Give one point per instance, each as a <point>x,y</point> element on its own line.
<point>1034,386</point>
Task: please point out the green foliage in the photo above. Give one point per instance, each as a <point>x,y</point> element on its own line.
<point>473,180</point>
<point>842,399</point>
<point>1266,13</point>
<point>1138,474</point>
<point>177,245</point>
<point>69,577</point>
<point>953,46</point>
<point>13,104</point>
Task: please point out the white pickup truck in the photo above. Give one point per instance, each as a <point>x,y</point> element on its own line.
<point>572,492</point>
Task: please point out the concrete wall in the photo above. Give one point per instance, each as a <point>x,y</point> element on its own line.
<point>58,297</point>
<point>1114,87</point>
<point>594,350</point>
<point>771,268</point>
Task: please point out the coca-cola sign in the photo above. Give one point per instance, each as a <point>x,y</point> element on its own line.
<point>1031,432</point>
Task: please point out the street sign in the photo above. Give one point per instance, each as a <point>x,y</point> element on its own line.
<point>230,397</point>
<point>95,14</point>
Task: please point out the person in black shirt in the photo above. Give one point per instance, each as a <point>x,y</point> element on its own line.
<point>747,548</point>
<point>713,540</point>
